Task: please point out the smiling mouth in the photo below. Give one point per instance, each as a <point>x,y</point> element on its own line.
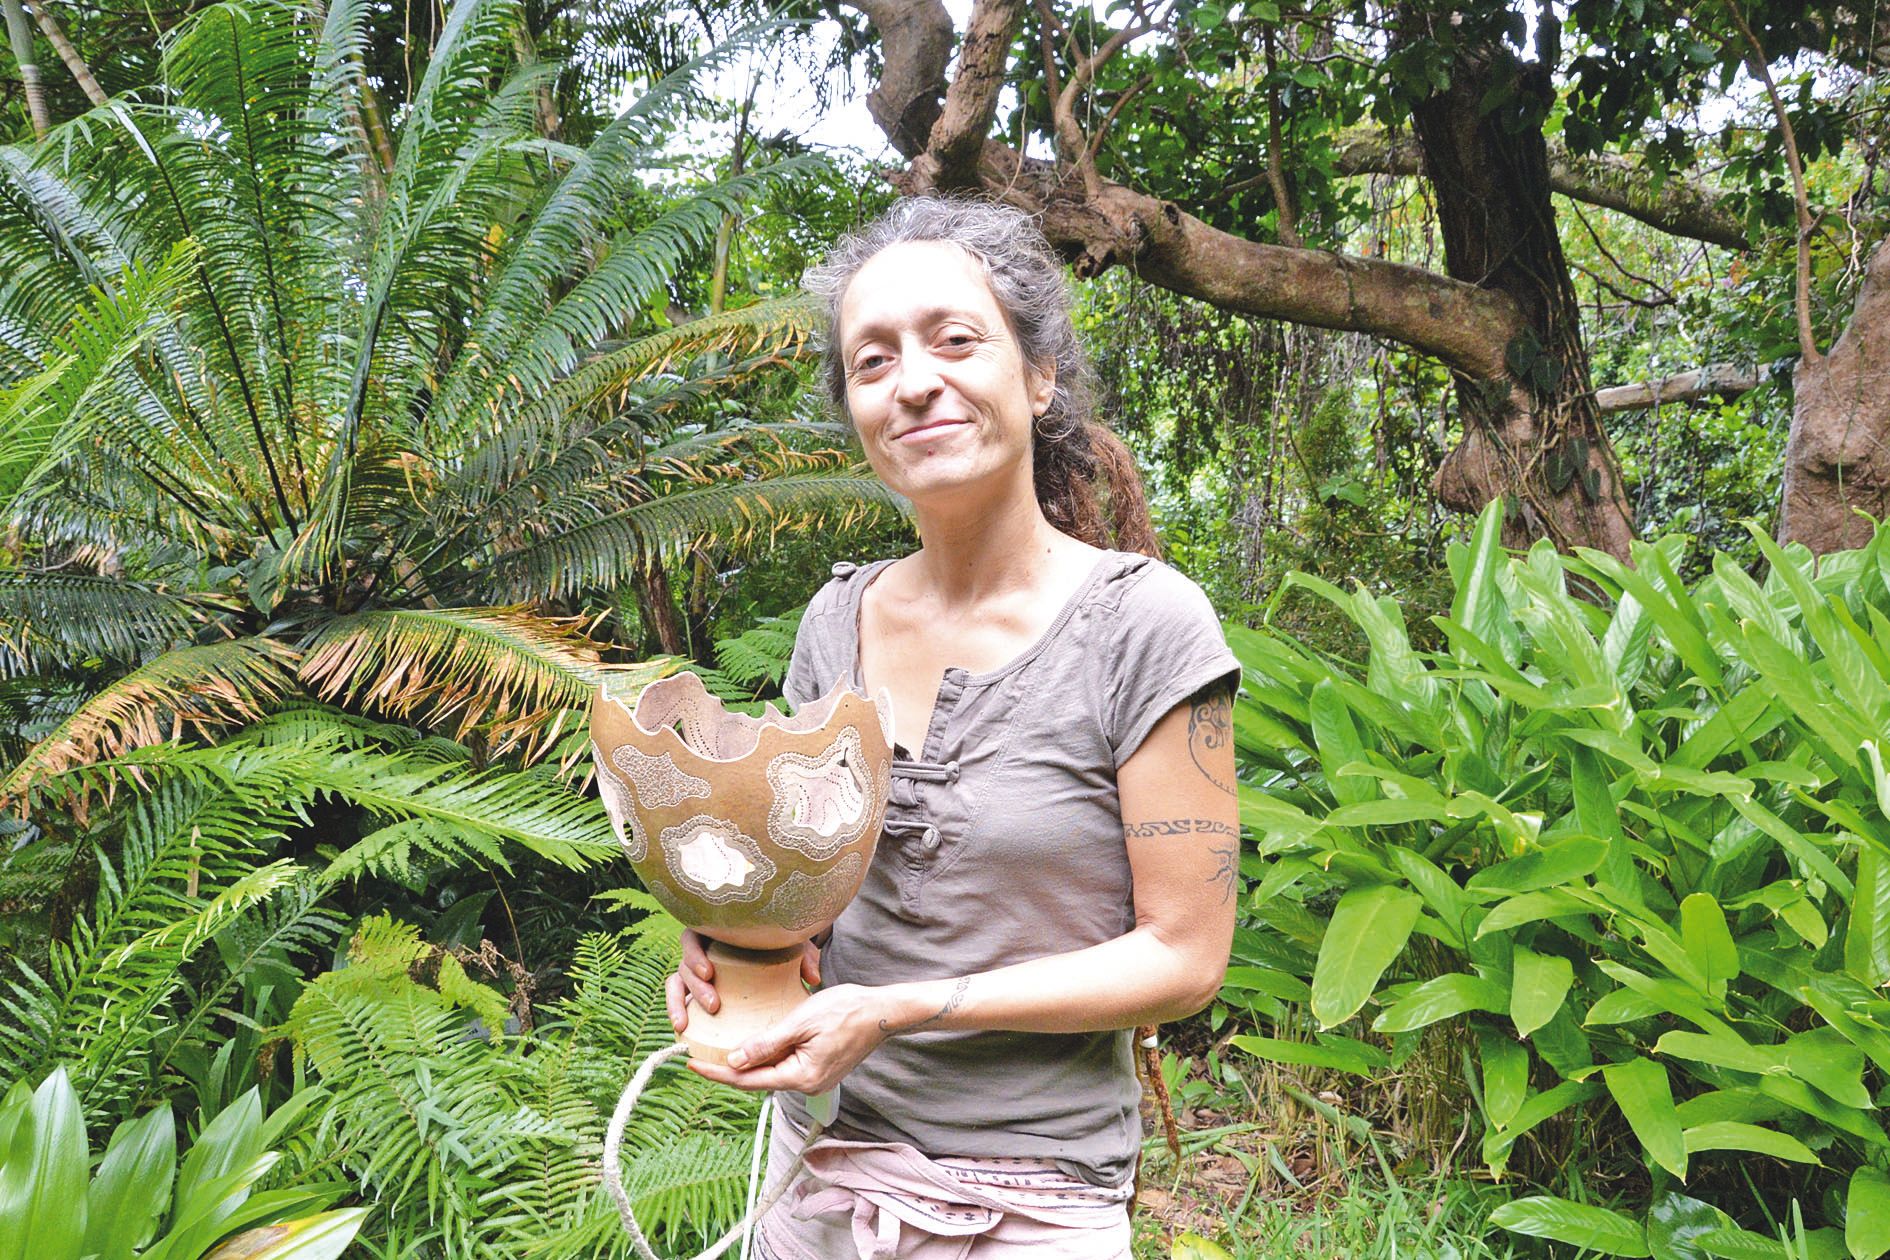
<point>929,430</point>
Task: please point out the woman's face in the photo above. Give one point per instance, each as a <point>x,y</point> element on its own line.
<point>937,388</point>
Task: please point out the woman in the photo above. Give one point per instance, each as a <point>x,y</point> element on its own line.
<point>1061,849</point>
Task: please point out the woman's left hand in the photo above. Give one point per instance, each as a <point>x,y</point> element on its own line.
<point>812,1049</point>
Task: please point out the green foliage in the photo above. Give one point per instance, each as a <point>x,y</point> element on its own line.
<point>1641,841</point>
<point>140,1203</point>
<point>488,1136</point>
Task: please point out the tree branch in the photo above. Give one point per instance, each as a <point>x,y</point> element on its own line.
<point>1715,380</point>
<point>971,101</point>
<point>916,40</point>
<point>1465,327</point>
<point>1678,207</point>
<point>1801,201</point>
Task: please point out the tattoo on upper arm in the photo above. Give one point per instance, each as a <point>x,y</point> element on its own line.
<point>1210,729</point>
<point>1227,875</point>
<point>955,1000</point>
<point>1178,827</point>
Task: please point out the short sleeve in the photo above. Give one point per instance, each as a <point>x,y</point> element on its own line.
<point>1168,646</point>
<point>815,662</point>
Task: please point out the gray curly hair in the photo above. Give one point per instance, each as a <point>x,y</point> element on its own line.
<point>1071,451</point>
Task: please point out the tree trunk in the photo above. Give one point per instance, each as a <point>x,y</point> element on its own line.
<point>657,606</point>
<point>20,33</point>
<point>1836,460</point>
<point>1534,433</point>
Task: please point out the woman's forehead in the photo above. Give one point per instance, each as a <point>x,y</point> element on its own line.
<point>915,282</point>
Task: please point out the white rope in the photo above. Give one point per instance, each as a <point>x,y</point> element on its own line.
<point>613,1174</point>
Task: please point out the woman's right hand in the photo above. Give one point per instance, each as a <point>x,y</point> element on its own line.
<point>694,981</point>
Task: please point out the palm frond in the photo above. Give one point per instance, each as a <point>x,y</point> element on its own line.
<point>605,551</point>
<point>523,678</point>
<point>57,619</point>
<point>196,689</point>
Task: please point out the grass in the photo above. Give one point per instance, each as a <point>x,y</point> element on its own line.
<point>1447,1220</point>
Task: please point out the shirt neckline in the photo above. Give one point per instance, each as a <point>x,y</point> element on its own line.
<point>957,673</point>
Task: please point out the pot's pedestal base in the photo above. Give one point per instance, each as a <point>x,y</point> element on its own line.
<point>758,988</point>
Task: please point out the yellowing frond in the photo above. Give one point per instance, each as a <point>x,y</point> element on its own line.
<point>194,690</point>
<point>523,678</point>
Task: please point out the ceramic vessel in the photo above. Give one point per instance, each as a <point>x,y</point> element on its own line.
<point>755,831</point>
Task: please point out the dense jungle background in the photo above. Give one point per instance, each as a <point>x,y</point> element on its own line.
<point>379,378</point>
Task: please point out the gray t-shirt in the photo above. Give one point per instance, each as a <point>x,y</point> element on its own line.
<point>1003,842</point>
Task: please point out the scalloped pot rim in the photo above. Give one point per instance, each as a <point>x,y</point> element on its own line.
<point>810,717</point>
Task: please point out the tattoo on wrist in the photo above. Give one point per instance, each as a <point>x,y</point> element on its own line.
<point>1178,827</point>
<point>952,1003</point>
<point>1210,729</point>
<point>1227,875</point>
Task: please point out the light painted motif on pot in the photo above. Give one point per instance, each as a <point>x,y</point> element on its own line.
<point>621,808</point>
<point>803,901</point>
<point>820,803</point>
<point>660,783</point>
<point>711,859</point>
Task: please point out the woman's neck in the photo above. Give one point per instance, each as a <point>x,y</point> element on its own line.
<point>969,555</point>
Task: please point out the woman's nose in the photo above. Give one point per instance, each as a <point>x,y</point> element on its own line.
<point>918,378</point>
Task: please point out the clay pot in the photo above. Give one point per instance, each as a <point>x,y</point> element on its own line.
<point>754,831</point>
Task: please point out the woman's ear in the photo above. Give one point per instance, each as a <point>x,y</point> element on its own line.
<point>1042,383</point>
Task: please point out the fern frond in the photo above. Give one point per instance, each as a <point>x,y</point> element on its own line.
<point>186,865</point>
<point>197,689</point>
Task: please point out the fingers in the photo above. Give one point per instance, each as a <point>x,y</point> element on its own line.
<point>810,965</point>
<point>673,994</point>
<point>695,955</point>
<point>776,1077</point>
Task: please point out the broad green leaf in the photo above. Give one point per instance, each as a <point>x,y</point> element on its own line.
<point>1195,1247</point>
<point>1731,1135</point>
<point>1538,986</point>
<point>1642,1091</point>
<point>1452,906</point>
<point>1505,1075</point>
<point>1441,998</point>
<point>1532,907</point>
<point>1709,942</point>
<point>1337,737</point>
<point>322,1237</point>
<point>1546,867</point>
<point>1621,1006</point>
<point>1578,1224</point>
<point>1867,942</point>
<point>132,1188</point>
<point>1822,1058</point>
<point>230,1142</point>
<point>1368,929</point>
<point>1867,1214</point>
<point>1276,984</point>
<point>1722,1048</point>
<point>1803,918</point>
<point>1535,1109</point>
<point>1479,605</point>
<point>43,1177</point>
<point>1675,1223</point>
<point>1732,1243</point>
<point>1338,1053</point>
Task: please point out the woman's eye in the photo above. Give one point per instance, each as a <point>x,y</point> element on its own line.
<point>960,339</point>
<point>868,362</point>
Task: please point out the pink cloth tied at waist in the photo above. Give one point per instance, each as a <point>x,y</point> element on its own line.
<point>899,1203</point>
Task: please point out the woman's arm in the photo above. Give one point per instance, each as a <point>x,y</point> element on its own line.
<point>1181,824</point>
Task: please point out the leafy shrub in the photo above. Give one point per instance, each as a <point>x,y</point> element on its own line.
<point>1631,847</point>
<point>140,1202</point>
